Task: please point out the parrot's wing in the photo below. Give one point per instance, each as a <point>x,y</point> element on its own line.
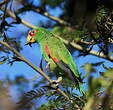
<point>57,51</point>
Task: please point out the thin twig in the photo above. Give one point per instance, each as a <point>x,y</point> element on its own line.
<point>3,2</point>
<point>44,13</point>
<point>11,14</point>
<point>58,20</point>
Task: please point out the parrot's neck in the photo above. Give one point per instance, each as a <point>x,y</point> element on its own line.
<point>39,39</point>
<point>41,35</point>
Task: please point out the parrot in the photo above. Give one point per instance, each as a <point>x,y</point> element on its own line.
<point>55,53</point>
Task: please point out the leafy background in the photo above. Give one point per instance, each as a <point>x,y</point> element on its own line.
<point>88,24</point>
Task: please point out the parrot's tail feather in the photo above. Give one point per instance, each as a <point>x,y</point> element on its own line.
<point>76,79</point>
<point>81,89</point>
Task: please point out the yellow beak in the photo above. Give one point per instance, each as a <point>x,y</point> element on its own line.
<point>30,40</point>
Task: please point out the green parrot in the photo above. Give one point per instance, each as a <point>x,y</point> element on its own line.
<point>55,54</point>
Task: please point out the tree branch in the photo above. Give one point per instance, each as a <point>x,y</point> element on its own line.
<point>12,15</point>
<point>92,52</point>
<point>3,2</point>
<point>44,13</point>
<point>32,66</point>
<point>73,44</point>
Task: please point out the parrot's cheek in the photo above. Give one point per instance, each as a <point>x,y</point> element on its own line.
<point>30,39</point>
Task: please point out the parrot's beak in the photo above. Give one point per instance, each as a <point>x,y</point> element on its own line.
<point>28,43</point>
<point>30,40</point>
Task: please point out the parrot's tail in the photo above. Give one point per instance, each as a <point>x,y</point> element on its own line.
<point>81,89</point>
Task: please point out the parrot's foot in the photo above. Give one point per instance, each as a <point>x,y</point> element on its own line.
<point>55,83</point>
<point>47,66</point>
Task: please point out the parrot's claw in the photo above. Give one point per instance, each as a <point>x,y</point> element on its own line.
<point>54,83</point>
<point>47,66</point>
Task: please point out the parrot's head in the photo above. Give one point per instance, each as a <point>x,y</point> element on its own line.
<point>30,37</point>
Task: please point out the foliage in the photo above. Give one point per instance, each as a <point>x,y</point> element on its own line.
<point>86,25</point>
<point>55,101</point>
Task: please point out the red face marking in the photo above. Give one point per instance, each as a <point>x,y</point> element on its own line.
<point>33,33</point>
<point>48,53</point>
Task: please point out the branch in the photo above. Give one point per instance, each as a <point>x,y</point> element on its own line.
<point>92,52</point>
<point>12,15</point>
<point>73,44</point>
<point>44,13</point>
<point>3,2</point>
<point>32,66</point>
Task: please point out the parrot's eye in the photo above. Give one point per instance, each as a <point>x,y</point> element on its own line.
<point>33,32</point>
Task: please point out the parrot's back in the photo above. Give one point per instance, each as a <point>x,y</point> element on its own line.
<point>58,50</point>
